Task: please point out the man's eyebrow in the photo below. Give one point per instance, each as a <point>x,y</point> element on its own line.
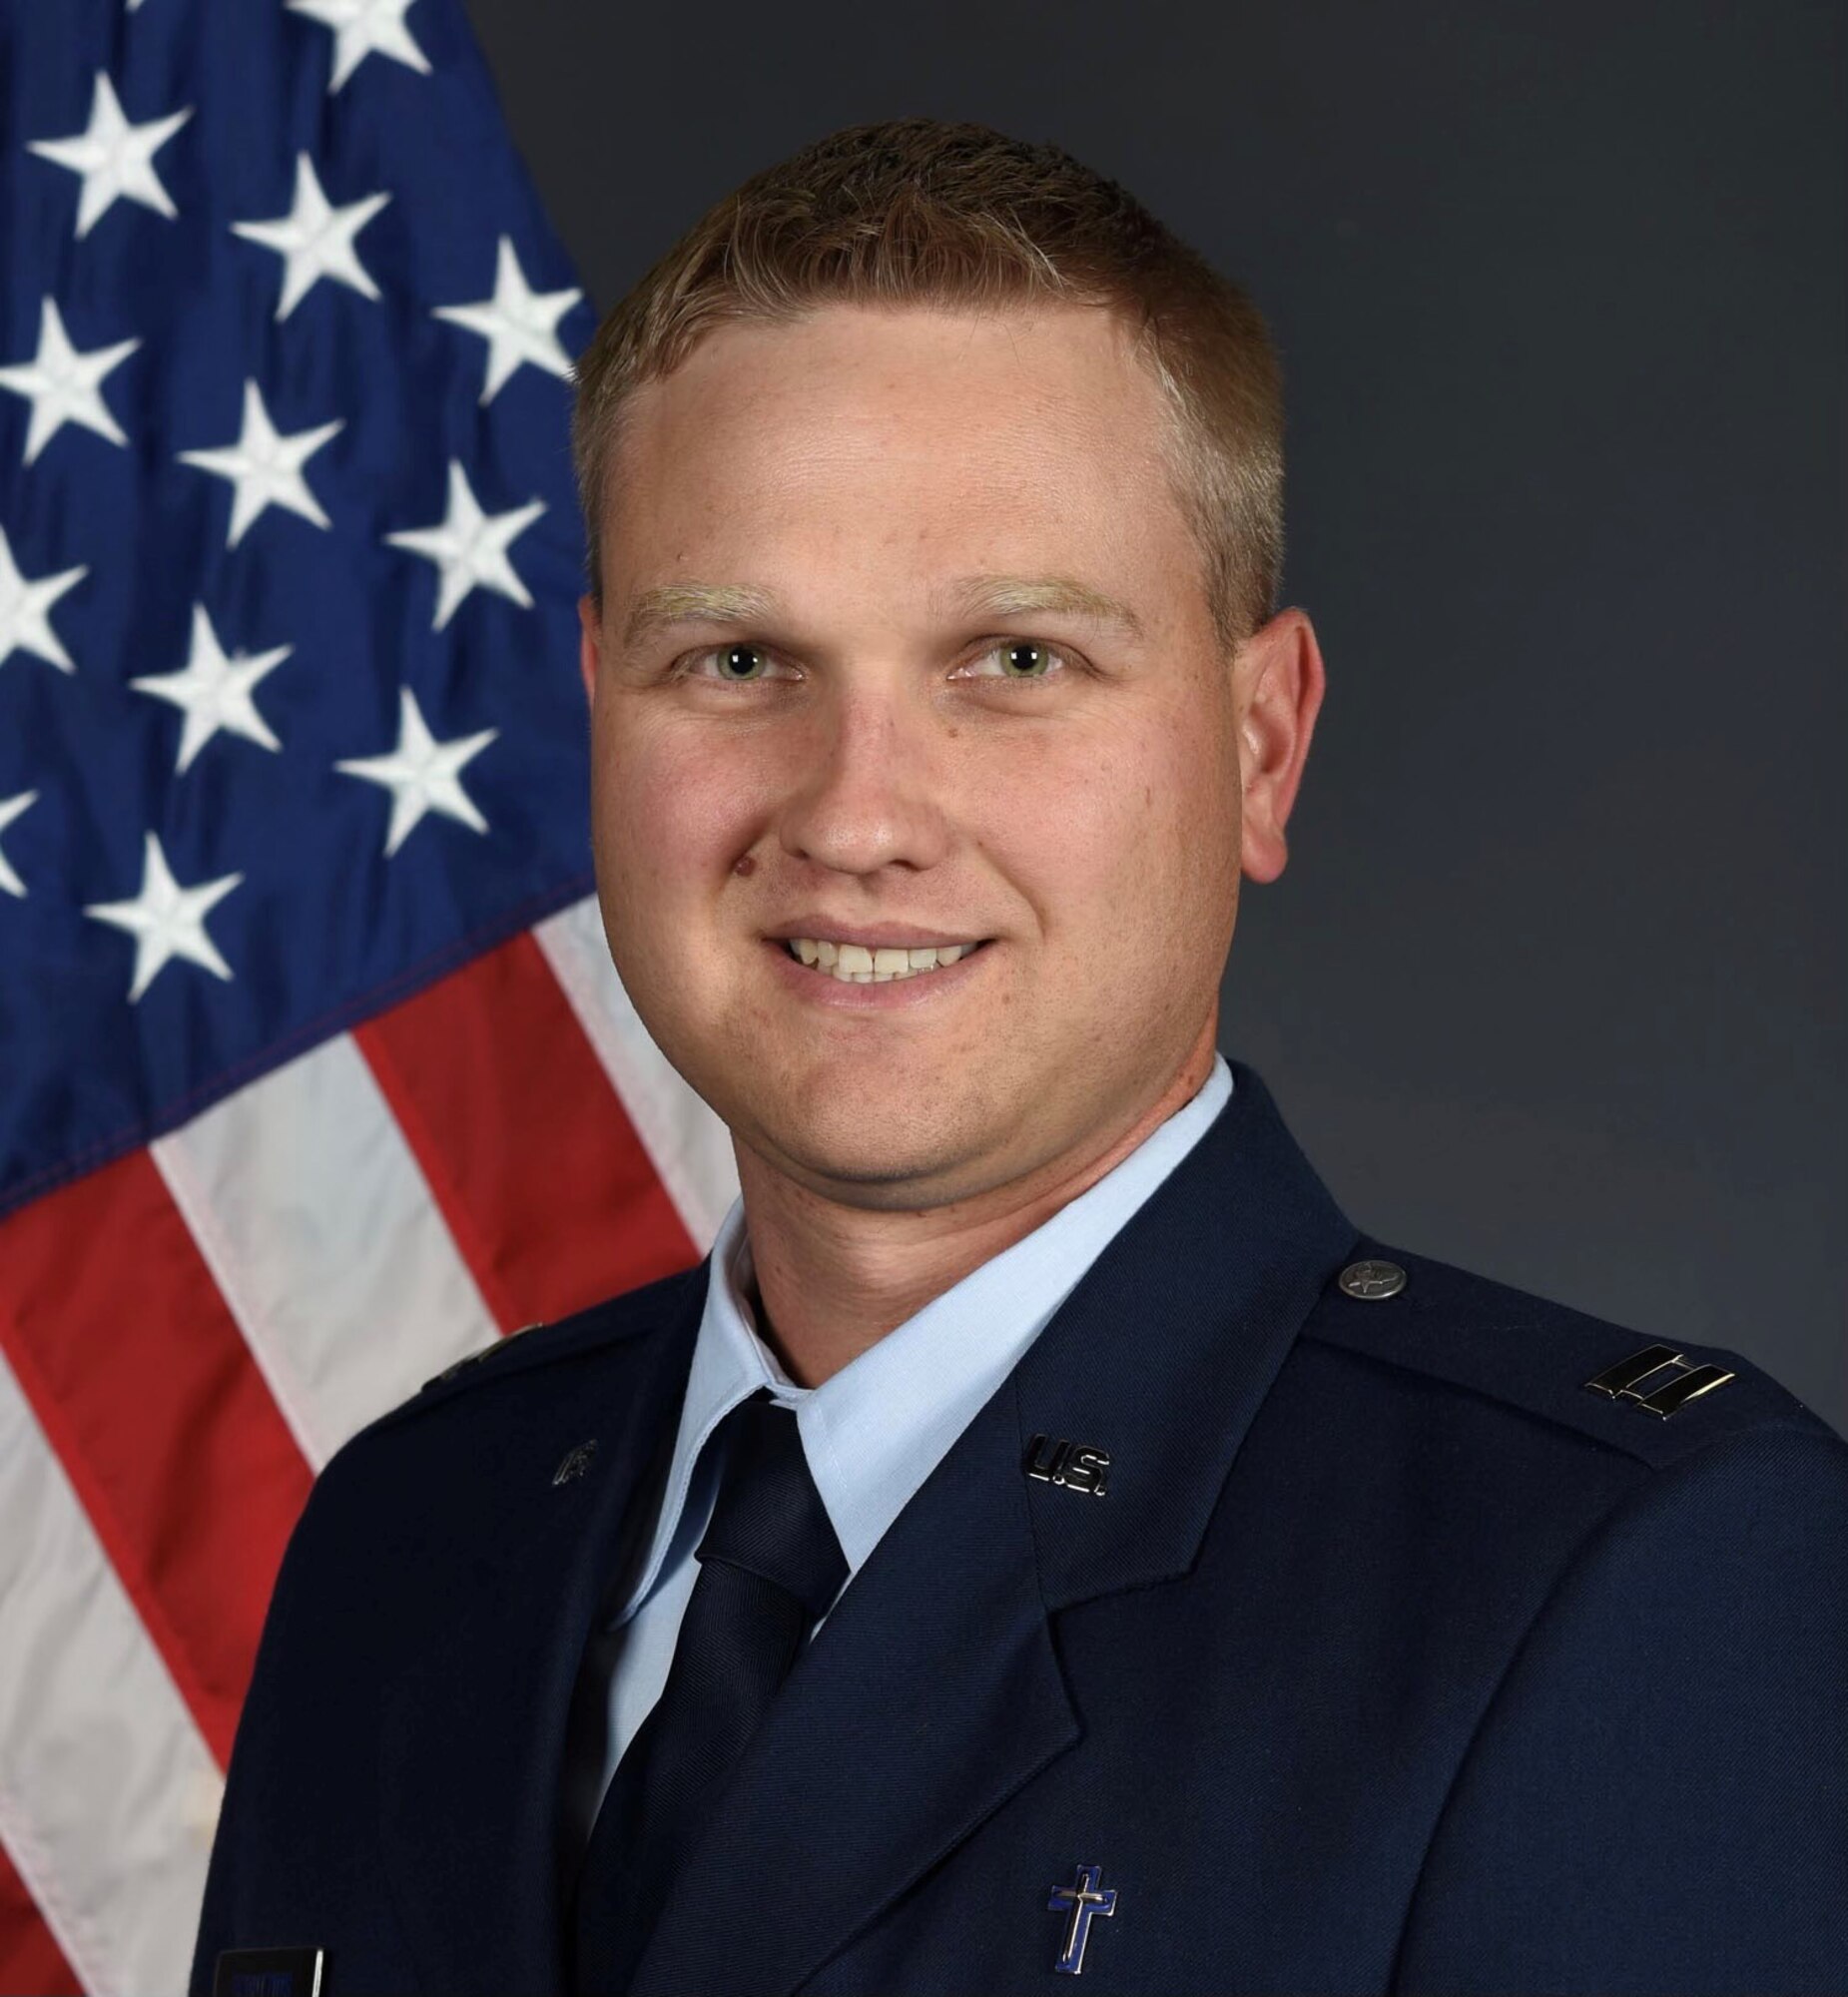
<point>1052,596</point>
<point>977,597</point>
<point>694,604</point>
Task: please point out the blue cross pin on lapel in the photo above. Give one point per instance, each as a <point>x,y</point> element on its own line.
<point>1083,1899</point>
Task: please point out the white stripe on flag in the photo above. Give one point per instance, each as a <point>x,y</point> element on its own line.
<point>691,1148</point>
<point>319,1228</point>
<point>108,1793</point>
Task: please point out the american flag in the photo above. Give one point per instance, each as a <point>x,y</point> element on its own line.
<point>314,1071</point>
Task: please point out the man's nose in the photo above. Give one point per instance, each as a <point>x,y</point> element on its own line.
<point>869,794</point>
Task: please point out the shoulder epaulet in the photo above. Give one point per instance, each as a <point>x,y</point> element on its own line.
<point>635,1313</point>
<point>489,1351</point>
<point>1653,1398</point>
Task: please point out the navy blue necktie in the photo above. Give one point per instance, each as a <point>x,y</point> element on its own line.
<point>770,1567</point>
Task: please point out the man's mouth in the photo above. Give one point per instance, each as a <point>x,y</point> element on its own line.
<point>858,963</point>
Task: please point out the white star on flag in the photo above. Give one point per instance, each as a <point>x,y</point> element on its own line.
<point>316,240</point>
<point>25,610</point>
<point>362,28</point>
<point>471,548</point>
<point>64,384</point>
<point>10,809</point>
<point>166,920</point>
<point>265,466</point>
<point>215,692</point>
<point>114,158</point>
<point>422,774</point>
<point>518,322</point>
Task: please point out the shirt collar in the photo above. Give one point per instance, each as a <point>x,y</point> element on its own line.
<point>874,1431</point>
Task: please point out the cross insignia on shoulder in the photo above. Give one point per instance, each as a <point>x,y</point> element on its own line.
<point>1673,1390</point>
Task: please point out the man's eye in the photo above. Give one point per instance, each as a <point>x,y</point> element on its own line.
<point>738,664</point>
<point>1014,659</point>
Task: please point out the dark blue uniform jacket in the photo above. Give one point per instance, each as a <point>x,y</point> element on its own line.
<point>1391,1658</point>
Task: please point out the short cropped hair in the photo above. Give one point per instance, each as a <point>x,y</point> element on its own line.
<point>915,212</point>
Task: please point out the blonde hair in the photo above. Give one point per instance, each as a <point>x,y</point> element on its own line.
<point>920,212</point>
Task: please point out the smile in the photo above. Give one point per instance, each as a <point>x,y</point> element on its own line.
<point>856,964</point>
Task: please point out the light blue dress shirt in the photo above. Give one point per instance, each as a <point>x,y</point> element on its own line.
<point>874,1431</point>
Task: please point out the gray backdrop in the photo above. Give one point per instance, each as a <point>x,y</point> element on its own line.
<point>1552,985</point>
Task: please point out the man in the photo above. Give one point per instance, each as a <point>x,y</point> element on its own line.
<point>1156,1580</point>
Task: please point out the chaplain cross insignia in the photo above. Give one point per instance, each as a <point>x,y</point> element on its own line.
<point>1083,1899</point>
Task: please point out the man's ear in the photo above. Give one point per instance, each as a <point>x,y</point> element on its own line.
<point>589,644</point>
<point>1279,686</point>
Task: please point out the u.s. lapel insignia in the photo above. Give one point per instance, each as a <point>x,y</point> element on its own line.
<point>1668,1391</point>
<point>1076,1467</point>
<point>1081,1900</point>
<point>574,1462</point>
<point>268,1972</point>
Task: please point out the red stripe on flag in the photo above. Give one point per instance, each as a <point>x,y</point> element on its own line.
<point>30,1959</point>
<point>146,1388</point>
<point>529,1153</point>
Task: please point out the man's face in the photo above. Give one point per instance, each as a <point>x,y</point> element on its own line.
<point>903,647</point>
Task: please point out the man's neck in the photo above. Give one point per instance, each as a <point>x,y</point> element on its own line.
<point>833,1279</point>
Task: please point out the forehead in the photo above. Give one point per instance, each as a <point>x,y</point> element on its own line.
<point>1007,439</point>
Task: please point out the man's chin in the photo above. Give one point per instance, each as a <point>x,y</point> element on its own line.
<point>897,1165</point>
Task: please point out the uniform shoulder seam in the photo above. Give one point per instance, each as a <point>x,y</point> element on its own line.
<point>652,1310</point>
<point>1651,1399</point>
<point>1509,1403</point>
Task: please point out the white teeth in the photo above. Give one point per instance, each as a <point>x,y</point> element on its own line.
<point>857,963</point>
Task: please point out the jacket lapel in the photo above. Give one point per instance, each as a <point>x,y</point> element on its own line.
<point>1163,1355</point>
<point>932,1693</point>
<point>483,1714</point>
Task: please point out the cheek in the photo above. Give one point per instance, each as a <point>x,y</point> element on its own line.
<point>1131,832</point>
<point>670,818</point>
